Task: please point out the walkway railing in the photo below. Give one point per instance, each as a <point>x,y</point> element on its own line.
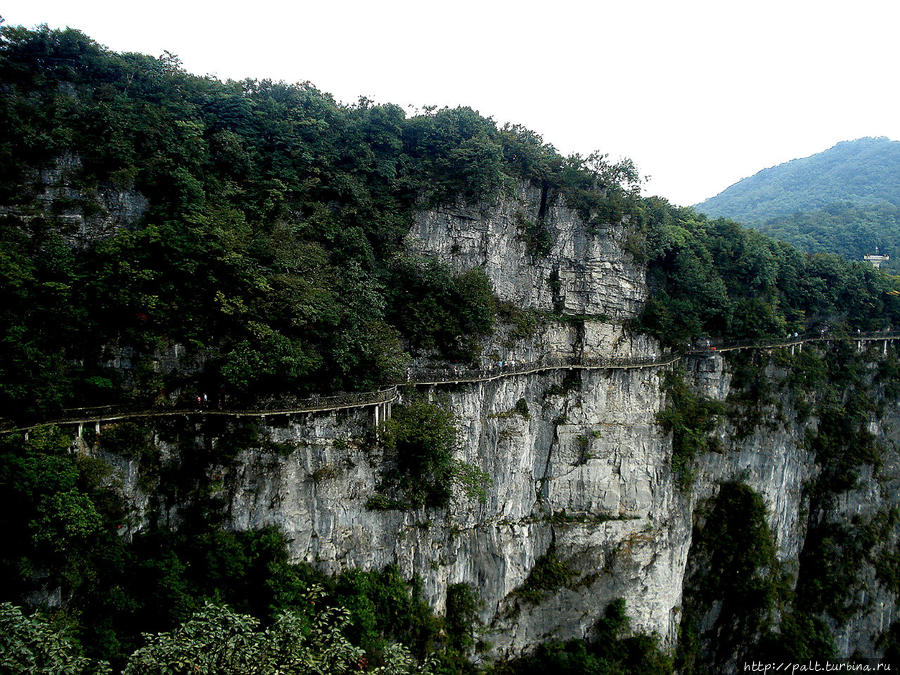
<point>452,375</point>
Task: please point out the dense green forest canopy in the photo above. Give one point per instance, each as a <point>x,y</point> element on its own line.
<point>273,242</point>
<point>851,230</point>
<point>845,200</point>
<point>864,172</point>
<point>714,278</point>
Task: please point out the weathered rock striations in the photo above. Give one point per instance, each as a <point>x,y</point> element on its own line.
<point>583,271</point>
<point>591,452</point>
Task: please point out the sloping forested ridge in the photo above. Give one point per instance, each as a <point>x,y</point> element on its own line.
<point>272,245</point>
<point>845,200</point>
<point>865,172</point>
<point>713,277</point>
<point>848,229</point>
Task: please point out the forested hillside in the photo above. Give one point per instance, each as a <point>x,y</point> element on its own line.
<point>272,244</point>
<point>865,172</point>
<point>713,277</point>
<point>851,230</point>
<point>845,200</point>
<point>270,247</point>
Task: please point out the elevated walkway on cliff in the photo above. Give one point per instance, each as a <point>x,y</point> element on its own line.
<point>382,399</point>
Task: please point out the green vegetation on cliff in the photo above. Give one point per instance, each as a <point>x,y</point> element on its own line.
<point>691,419</point>
<point>732,578</point>
<point>272,246</point>
<point>107,579</point>
<point>206,594</point>
<point>419,442</point>
<point>610,651</point>
<point>715,278</point>
<point>740,601</point>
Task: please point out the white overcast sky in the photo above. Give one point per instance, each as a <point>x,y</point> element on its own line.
<point>698,93</point>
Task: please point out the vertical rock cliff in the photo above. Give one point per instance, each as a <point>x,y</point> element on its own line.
<point>537,253</point>
<point>581,471</point>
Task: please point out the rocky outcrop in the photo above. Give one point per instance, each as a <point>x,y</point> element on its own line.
<point>587,474</point>
<point>83,214</point>
<point>774,461</point>
<point>575,269</point>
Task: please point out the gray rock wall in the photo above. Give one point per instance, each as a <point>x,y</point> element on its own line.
<point>593,452</point>
<point>585,272</point>
<point>774,462</point>
<point>588,473</point>
<point>84,214</point>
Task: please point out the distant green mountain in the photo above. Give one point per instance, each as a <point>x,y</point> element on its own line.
<point>844,200</point>
<point>863,172</point>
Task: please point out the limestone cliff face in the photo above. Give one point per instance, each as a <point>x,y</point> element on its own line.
<point>589,448</point>
<point>877,492</point>
<point>774,461</point>
<point>771,461</point>
<point>584,270</point>
<point>586,475</point>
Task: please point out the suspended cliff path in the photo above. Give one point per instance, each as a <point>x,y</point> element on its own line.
<point>448,376</point>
